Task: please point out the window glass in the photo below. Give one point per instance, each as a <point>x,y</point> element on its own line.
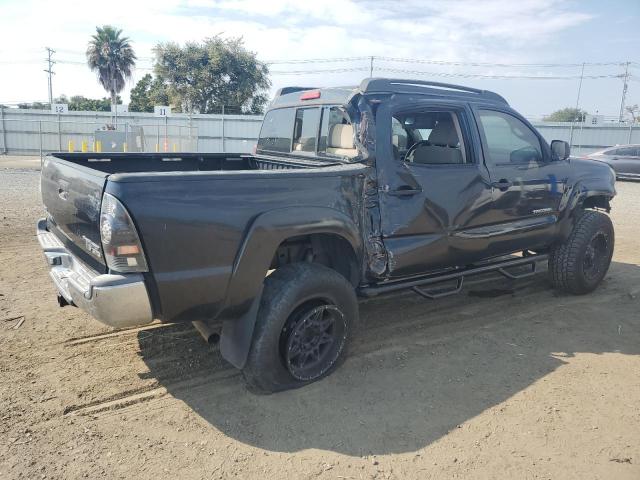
<point>508,139</point>
<point>626,151</point>
<point>305,131</point>
<point>430,138</point>
<point>399,138</point>
<point>336,134</point>
<point>276,131</point>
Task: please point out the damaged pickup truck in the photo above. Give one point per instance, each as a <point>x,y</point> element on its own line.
<point>351,192</point>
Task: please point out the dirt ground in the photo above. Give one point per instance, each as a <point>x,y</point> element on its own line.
<point>508,380</point>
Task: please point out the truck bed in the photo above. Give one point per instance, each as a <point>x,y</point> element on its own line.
<point>192,212</point>
<point>177,162</point>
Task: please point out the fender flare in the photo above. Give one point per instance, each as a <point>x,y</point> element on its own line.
<point>265,234</point>
<point>577,196</point>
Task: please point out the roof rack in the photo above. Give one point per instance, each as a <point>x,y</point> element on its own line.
<point>285,90</point>
<point>394,85</point>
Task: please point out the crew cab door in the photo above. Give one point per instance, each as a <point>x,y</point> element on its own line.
<point>527,184</point>
<point>434,190</point>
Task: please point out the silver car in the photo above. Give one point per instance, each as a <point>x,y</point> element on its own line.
<point>624,159</point>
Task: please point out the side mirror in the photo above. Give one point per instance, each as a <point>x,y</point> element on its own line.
<point>560,149</point>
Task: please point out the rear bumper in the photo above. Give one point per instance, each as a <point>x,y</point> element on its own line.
<point>117,300</point>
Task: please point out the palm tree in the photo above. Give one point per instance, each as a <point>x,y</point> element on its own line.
<point>112,58</point>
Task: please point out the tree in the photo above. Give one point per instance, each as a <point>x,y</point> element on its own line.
<point>203,77</point>
<point>568,114</point>
<point>148,92</point>
<point>111,56</point>
<point>634,111</point>
<point>34,106</point>
<point>80,103</point>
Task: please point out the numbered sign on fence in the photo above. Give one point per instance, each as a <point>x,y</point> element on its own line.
<point>162,111</point>
<point>60,108</point>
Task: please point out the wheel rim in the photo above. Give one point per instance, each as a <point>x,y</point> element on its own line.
<point>596,256</point>
<point>313,341</point>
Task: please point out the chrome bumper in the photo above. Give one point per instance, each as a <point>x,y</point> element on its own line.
<point>117,300</point>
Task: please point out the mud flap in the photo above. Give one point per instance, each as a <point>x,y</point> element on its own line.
<point>237,333</point>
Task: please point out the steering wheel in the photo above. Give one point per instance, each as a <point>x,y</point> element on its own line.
<point>413,149</point>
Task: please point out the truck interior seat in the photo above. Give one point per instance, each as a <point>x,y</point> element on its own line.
<point>340,141</point>
<point>443,145</point>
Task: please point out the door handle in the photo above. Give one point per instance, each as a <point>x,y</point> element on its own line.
<point>503,184</point>
<point>405,191</point>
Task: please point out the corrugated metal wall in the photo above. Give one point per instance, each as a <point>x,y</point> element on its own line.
<point>587,139</point>
<point>30,131</point>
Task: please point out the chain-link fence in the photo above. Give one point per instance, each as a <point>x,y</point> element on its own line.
<point>26,136</point>
<point>34,132</point>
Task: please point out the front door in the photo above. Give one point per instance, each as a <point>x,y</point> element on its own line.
<point>435,191</point>
<point>527,184</point>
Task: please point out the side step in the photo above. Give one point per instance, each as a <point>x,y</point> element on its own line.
<point>415,283</point>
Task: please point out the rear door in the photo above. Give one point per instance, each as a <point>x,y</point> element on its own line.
<point>72,195</point>
<point>435,191</point>
<point>527,186</point>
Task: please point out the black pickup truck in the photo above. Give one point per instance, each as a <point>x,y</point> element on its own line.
<point>351,192</point>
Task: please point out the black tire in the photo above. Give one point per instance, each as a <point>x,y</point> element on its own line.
<point>580,263</point>
<point>299,300</point>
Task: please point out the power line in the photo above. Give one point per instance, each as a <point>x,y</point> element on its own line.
<point>324,70</point>
<point>492,64</point>
<point>442,74</point>
<point>440,62</point>
<point>315,60</point>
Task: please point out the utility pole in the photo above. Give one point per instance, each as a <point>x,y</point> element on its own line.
<point>577,105</point>
<point>50,71</point>
<point>371,67</point>
<point>624,91</point>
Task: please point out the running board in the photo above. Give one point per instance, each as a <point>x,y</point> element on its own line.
<point>459,276</point>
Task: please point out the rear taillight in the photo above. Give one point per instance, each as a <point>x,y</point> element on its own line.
<point>122,249</point>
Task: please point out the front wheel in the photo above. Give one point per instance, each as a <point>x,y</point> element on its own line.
<point>579,264</point>
<point>306,319</point>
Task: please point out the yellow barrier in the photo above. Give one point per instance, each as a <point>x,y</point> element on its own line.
<point>124,147</point>
<point>98,146</point>
<point>157,148</point>
<point>83,146</point>
<point>175,148</point>
<point>71,146</point>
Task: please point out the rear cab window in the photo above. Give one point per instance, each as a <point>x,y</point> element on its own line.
<point>276,131</point>
<point>322,132</point>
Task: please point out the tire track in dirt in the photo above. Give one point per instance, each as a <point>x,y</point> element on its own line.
<point>97,337</point>
<point>136,396</point>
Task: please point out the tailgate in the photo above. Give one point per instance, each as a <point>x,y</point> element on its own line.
<point>72,194</point>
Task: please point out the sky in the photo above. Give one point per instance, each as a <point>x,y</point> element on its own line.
<point>522,38</point>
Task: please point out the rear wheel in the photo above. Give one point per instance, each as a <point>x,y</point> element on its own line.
<point>306,319</point>
<point>580,263</point>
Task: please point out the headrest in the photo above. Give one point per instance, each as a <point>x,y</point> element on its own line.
<point>444,133</point>
<point>341,136</point>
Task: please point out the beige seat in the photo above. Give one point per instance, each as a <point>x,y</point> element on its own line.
<point>340,141</point>
<point>443,147</point>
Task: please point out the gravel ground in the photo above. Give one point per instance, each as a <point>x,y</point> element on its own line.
<point>507,380</point>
